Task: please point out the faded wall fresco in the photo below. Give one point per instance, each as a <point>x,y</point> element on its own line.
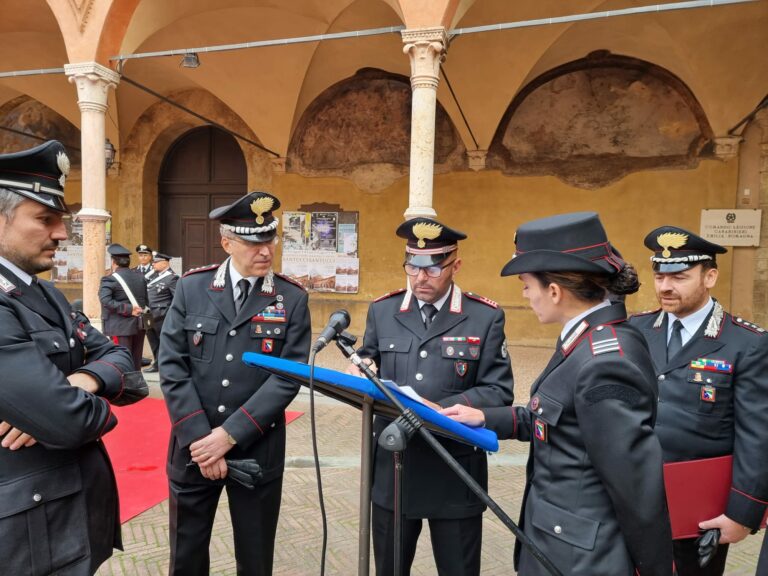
<point>23,115</point>
<point>360,129</point>
<point>593,121</point>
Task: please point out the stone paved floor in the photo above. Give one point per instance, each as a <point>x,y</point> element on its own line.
<point>298,546</point>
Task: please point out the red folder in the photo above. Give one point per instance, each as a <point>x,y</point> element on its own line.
<point>697,490</point>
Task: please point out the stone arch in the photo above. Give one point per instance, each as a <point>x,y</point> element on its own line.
<point>592,121</point>
<point>142,154</point>
<point>359,128</point>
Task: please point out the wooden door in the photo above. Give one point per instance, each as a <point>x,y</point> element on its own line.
<point>202,170</point>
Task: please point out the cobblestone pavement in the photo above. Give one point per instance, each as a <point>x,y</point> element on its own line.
<point>299,536</point>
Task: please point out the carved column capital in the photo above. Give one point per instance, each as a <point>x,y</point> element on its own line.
<point>426,50</point>
<point>727,147</point>
<point>477,159</point>
<point>279,165</point>
<point>93,82</point>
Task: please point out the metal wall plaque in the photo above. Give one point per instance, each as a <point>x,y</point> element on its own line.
<point>735,227</point>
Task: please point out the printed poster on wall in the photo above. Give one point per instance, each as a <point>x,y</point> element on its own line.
<point>347,274</point>
<point>347,239</point>
<point>320,250</point>
<point>296,265</point>
<point>324,226</point>
<point>68,259</point>
<point>322,271</point>
<point>296,231</point>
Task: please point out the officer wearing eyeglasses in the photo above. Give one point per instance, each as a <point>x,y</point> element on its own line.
<point>449,346</point>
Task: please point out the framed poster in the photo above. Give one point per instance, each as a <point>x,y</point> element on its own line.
<point>320,248</point>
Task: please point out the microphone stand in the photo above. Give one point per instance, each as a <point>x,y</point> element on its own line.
<point>395,439</point>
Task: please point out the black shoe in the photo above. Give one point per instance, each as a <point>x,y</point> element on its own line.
<point>146,361</point>
<point>152,368</point>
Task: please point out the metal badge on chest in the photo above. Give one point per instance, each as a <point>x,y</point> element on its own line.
<point>268,325</point>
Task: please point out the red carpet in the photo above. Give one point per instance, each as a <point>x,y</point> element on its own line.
<point>138,449</point>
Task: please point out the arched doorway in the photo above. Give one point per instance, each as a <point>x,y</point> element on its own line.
<point>202,170</point>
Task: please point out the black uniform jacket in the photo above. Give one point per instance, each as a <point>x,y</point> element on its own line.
<point>594,501</point>
<point>202,375</point>
<point>116,308</point>
<point>58,499</point>
<point>713,401</point>
<point>461,358</point>
<point>160,290</point>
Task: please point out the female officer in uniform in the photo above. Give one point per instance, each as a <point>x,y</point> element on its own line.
<point>594,500</point>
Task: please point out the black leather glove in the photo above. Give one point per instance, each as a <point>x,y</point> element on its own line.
<point>134,389</point>
<point>707,543</point>
<point>245,472</point>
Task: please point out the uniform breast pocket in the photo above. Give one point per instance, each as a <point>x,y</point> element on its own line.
<point>708,392</point>
<point>269,337</point>
<point>43,516</point>
<point>463,357</point>
<point>545,415</point>
<point>54,345</point>
<point>201,336</point>
<point>394,358</point>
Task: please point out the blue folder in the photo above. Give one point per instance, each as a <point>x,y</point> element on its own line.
<point>348,389</point>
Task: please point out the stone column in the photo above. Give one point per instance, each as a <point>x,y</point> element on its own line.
<point>426,49</point>
<point>93,82</point>
<point>760,298</point>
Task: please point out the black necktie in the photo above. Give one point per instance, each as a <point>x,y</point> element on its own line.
<point>676,340</point>
<point>245,288</point>
<point>429,313</point>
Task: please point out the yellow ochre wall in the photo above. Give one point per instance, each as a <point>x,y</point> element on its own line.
<point>489,207</point>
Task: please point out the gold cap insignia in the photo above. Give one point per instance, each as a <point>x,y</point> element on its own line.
<point>671,240</point>
<point>426,231</point>
<point>260,206</point>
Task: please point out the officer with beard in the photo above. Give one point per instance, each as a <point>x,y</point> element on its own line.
<point>712,370</point>
<point>58,498</point>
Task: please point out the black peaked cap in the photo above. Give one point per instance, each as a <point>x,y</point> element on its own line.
<point>250,217</point>
<point>676,249</point>
<point>428,241</point>
<point>118,250</point>
<point>574,242</point>
<point>38,174</point>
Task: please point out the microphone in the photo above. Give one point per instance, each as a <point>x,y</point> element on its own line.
<point>337,323</point>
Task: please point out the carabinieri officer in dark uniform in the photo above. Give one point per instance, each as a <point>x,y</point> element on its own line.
<point>122,319</point>
<point>145,256</point>
<point>449,346</point>
<point>219,406</point>
<point>58,498</point>
<point>147,269</point>
<point>712,370</point>
<point>160,289</point>
<point>594,501</point>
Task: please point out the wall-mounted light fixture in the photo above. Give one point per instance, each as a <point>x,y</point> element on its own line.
<point>109,154</point>
<point>190,60</point>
